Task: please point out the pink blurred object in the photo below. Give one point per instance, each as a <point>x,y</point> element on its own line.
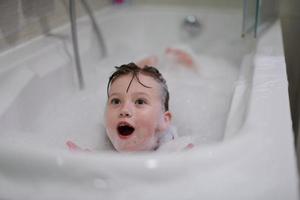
<point>181,57</point>
<point>74,147</point>
<point>189,146</point>
<point>118,1</point>
<point>149,61</point>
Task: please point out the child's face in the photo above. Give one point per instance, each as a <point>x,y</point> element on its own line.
<point>135,119</point>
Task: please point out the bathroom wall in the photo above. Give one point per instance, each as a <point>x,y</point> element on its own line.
<point>22,20</point>
<point>290,21</point>
<point>216,3</point>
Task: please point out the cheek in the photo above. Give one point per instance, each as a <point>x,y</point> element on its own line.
<point>148,126</point>
<point>144,119</point>
<point>151,118</point>
<point>109,119</point>
<point>109,124</point>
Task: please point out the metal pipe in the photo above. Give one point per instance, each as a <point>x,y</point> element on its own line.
<point>245,14</point>
<point>72,11</point>
<point>96,27</point>
<point>257,9</point>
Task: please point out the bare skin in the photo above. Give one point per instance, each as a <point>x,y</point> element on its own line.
<point>140,108</point>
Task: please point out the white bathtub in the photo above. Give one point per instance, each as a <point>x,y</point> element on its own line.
<point>246,154</point>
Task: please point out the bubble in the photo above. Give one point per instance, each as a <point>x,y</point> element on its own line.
<point>199,103</point>
<point>100,183</point>
<point>151,164</point>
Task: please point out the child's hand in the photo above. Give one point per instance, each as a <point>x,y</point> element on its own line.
<point>74,147</point>
<point>189,146</point>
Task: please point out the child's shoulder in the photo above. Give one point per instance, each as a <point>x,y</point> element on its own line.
<point>177,145</point>
<point>171,142</point>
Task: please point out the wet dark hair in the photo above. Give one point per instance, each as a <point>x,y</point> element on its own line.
<point>133,69</point>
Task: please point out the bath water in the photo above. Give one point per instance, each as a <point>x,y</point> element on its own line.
<point>199,102</point>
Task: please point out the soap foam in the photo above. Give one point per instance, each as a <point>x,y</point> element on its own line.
<point>199,103</point>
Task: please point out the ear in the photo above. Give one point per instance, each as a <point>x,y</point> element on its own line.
<point>166,121</point>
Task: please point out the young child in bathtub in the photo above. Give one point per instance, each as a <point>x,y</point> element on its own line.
<point>137,116</point>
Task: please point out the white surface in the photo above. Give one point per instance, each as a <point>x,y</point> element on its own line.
<point>256,159</point>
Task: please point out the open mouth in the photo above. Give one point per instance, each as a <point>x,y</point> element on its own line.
<point>125,129</point>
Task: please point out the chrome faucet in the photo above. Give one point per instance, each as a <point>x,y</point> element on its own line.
<point>72,12</point>
<point>191,25</point>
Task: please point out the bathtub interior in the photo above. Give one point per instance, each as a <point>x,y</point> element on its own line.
<point>41,108</point>
<point>47,108</point>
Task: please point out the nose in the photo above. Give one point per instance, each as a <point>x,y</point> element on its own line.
<point>125,114</point>
<point>125,111</point>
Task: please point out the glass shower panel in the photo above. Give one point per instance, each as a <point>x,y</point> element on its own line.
<point>250,17</point>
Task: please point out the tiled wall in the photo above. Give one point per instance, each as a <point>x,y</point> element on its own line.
<point>218,3</point>
<point>22,20</point>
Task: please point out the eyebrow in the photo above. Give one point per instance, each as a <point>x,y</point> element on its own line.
<point>134,93</point>
<point>114,94</point>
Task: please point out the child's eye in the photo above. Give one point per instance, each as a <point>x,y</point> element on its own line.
<point>140,101</point>
<point>115,101</point>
